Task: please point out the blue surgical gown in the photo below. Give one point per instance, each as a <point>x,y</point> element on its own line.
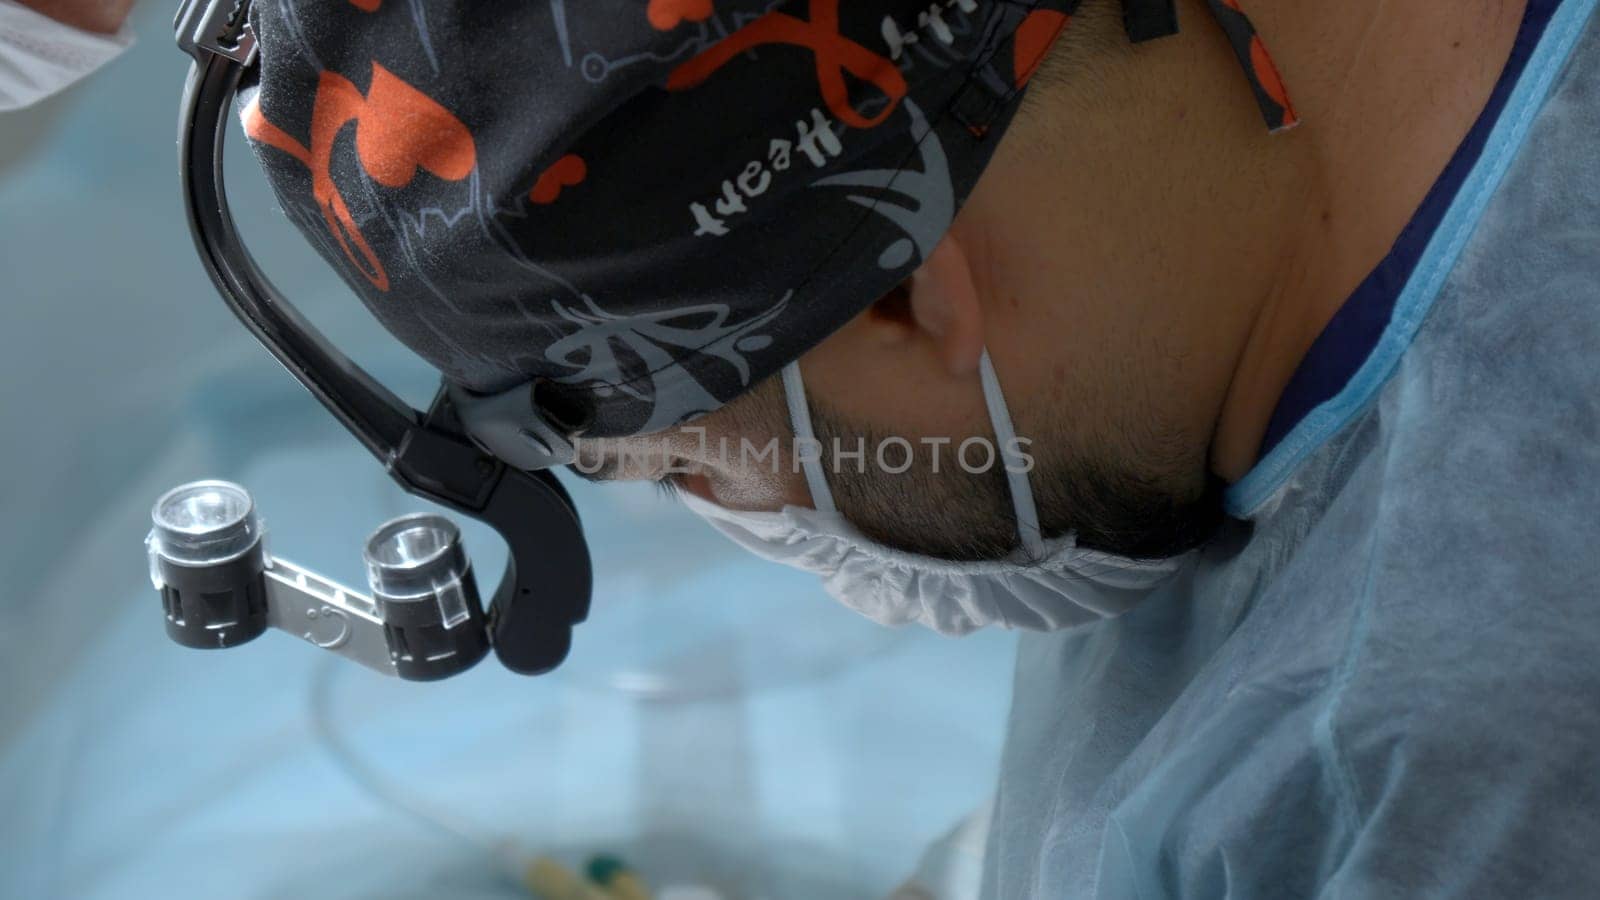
<point>1384,679</point>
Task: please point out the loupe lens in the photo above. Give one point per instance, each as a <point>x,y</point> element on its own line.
<point>204,522</point>
<point>413,556</point>
<point>415,544</point>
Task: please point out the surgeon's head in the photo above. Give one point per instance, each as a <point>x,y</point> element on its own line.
<point>664,206</point>
<point>1109,259</point>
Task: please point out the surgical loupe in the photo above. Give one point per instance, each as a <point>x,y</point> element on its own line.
<point>484,456</point>
<point>220,587</point>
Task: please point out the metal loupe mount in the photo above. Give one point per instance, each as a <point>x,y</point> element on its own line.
<point>221,588</point>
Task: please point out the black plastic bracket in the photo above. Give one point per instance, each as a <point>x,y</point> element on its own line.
<point>1147,20</point>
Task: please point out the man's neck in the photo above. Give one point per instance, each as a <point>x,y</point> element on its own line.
<point>1387,92</point>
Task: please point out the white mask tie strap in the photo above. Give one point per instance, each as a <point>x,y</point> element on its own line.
<point>809,451</point>
<point>806,446</point>
<point>1015,461</point>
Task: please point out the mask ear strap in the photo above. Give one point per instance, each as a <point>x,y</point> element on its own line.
<point>1016,462</point>
<point>1010,451</point>
<point>806,446</point>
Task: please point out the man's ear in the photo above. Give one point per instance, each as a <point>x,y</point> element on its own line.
<point>944,306</point>
<point>940,305</point>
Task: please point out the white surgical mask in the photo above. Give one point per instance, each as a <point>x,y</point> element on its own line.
<point>1043,586</point>
<point>40,56</point>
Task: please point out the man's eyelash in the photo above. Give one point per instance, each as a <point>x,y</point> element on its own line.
<point>667,486</point>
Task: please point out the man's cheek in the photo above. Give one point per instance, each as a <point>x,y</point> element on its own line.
<point>761,483</point>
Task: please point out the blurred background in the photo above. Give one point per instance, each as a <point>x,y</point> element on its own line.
<point>720,721</point>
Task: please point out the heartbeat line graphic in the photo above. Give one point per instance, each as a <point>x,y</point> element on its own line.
<point>596,67</point>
